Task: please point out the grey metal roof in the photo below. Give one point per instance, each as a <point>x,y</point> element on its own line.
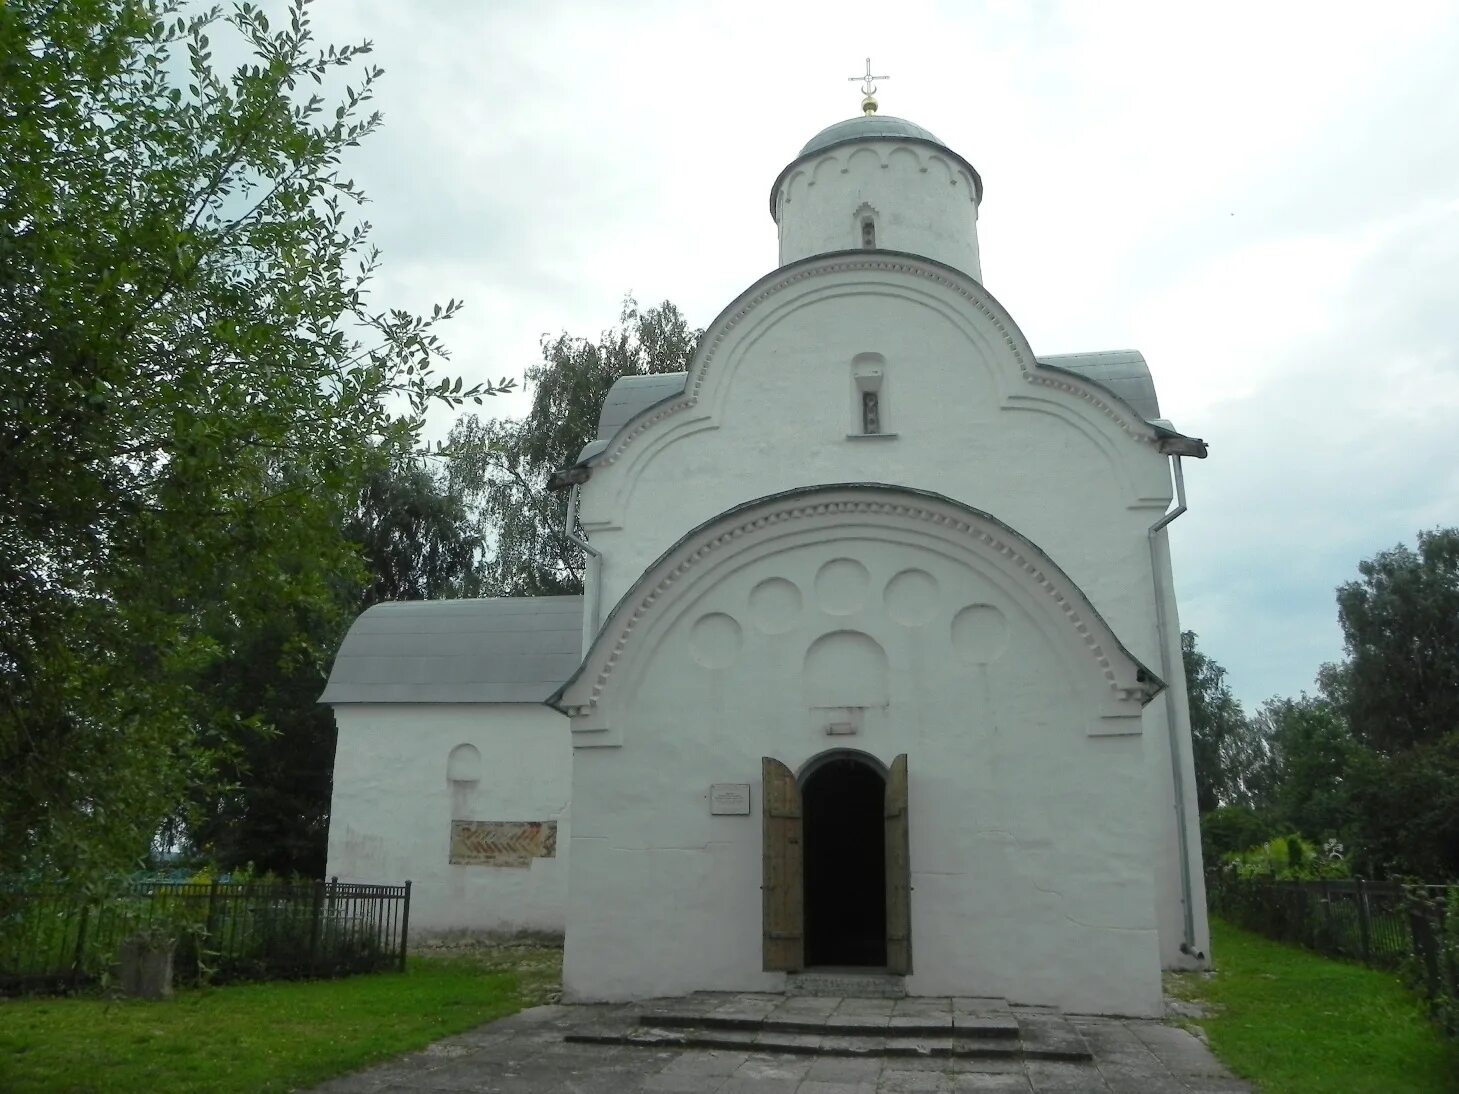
<point>867,127</point>
<point>628,397</point>
<point>491,650</point>
<point>1121,371</point>
<point>631,394</point>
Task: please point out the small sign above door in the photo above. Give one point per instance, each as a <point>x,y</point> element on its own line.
<point>729,799</point>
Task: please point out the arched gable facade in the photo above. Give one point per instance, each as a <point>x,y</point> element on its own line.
<point>867,514</point>
<point>773,401</point>
<point>723,340</point>
<point>897,623</point>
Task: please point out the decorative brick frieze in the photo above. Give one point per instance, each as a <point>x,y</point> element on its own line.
<point>502,843</point>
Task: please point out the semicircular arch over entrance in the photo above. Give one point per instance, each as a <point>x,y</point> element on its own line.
<point>1014,585</point>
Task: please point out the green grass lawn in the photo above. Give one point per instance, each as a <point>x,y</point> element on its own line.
<point>261,1037</point>
<point>1298,1023</point>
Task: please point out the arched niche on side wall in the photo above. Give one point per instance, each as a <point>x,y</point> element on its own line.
<point>463,774</point>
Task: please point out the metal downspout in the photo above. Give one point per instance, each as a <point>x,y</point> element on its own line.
<point>592,583</point>
<point>1188,945</point>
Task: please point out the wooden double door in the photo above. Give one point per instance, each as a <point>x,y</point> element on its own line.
<point>837,873</point>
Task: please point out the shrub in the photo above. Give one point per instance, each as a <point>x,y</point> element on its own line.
<point>1287,858</point>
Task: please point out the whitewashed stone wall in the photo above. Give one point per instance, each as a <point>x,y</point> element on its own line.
<point>919,200</point>
<point>932,632</point>
<point>396,803</point>
<point>966,412</point>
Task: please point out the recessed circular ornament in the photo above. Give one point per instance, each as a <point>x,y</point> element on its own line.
<point>775,605</point>
<point>911,597</point>
<point>980,634</point>
<point>841,586</point>
<point>714,640</point>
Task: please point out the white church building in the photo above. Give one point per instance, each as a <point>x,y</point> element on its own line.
<point>877,665</point>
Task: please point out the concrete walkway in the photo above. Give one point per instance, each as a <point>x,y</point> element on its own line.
<point>528,1054</point>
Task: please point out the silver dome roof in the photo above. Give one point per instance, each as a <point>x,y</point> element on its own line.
<point>867,127</point>
<point>871,127</point>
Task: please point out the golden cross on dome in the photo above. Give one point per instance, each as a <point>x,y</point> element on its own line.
<point>868,88</point>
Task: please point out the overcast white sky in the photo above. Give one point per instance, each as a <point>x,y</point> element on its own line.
<point>1263,198</point>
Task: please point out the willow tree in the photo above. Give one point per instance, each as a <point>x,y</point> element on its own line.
<point>502,466</point>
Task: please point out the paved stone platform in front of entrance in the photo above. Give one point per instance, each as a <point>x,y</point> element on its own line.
<point>848,1026</point>
<point>530,1053</point>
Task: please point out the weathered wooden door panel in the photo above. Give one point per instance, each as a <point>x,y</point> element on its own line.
<point>783,884</point>
<point>899,870</point>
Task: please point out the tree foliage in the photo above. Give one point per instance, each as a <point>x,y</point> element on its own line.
<point>1400,623</point>
<point>1230,757</point>
<point>415,535</point>
<point>192,373</point>
<point>502,466</point>
<point>1313,757</point>
<point>1405,811</point>
<point>1229,829</point>
<point>275,742</point>
<point>1373,761</point>
<point>1288,858</point>
<point>1398,689</point>
<point>264,800</point>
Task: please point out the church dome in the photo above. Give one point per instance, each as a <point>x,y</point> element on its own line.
<point>879,183</point>
<point>867,127</point>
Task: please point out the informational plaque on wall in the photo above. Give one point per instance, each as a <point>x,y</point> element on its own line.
<point>729,799</point>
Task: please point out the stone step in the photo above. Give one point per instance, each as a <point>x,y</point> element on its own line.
<point>864,985</point>
<point>985,1027</point>
<point>834,1044</point>
<point>839,1026</point>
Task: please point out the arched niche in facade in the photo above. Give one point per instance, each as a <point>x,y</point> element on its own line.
<point>675,589</point>
<point>463,775</point>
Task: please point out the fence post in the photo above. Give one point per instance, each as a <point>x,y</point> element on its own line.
<point>210,928</point>
<point>1425,943</point>
<point>405,925</point>
<point>212,922</point>
<point>331,919</point>
<point>314,913</point>
<point>77,961</point>
<point>1448,943</point>
<point>1365,926</point>
<point>1331,944</point>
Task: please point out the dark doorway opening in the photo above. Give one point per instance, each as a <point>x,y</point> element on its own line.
<point>845,864</point>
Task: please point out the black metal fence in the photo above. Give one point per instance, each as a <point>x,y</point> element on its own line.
<point>1412,929</point>
<point>52,939</point>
